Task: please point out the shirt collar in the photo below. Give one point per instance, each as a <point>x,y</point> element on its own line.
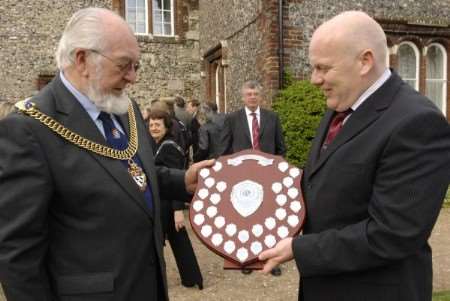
<point>375,86</point>
<point>248,112</point>
<point>85,102</point>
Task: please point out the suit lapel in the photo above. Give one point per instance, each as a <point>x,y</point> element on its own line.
<point>244,125</point>
<point>74,117</point>
<point>320,136</point>
<point>263,120</point>
<point>365,115</point>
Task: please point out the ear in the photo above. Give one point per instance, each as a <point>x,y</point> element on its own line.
<point>81,61</point>
<point>367,61</point>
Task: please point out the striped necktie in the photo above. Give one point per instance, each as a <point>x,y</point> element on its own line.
<point>255,132</point>
<point>119,141</point>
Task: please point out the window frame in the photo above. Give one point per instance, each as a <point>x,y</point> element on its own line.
<point>445,76</point>
<point>148,19</point>
<point>172,18</point>
<point>121,7</point>
<point>417,54</point>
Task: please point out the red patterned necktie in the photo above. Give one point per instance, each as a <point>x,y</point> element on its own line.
<point>335,127</point>
<point>255,132</point>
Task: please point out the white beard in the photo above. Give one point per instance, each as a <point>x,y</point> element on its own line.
<point>108,103</point>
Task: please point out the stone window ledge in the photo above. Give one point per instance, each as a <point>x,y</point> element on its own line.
<point>159,39</point>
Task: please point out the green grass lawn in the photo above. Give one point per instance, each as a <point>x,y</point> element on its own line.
<point>441,296</point>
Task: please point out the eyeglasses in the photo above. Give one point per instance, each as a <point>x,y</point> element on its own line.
<point>125,67</point>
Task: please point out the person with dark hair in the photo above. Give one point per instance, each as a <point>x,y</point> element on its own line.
<point>169,154</point>
<point>178,130</point>
<point>208,134</point>
<point>217,118</point>
<point>192,108</point>
<point>79,191</point>
<point>376,175</point>
<point>180,111</point>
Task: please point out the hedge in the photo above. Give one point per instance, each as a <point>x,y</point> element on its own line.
<point>300,106</point>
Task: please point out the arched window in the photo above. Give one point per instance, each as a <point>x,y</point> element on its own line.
<point>151,16</point>
<point>408,63</point>
<point>436,75</point>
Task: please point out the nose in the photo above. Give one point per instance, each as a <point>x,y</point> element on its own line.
<point>131,75</point>
<point>316,78</point>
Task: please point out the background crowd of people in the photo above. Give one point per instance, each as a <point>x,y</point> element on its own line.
<point>185,132</point>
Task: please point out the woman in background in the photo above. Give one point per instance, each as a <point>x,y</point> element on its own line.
<point>168,153</point>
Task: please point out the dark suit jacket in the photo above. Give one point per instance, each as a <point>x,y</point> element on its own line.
<point>73,224</point>
<point>236,133</point>
<point>208,141</point>
<point>372,199</point>
<point>169,154</point>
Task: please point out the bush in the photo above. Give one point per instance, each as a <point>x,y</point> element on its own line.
<point>300,106</point>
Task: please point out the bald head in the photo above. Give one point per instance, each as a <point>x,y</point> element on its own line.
<point>353,32</point>
<point>347,54</point>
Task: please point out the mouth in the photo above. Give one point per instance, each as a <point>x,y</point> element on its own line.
<point>327,92</point>
<point>118,91</point>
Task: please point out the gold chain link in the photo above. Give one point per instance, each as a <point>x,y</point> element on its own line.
<point>29,109</point>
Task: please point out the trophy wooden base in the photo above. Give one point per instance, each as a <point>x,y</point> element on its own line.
<point>230,265</point>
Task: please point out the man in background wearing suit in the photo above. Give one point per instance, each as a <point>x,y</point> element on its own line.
<point>240,126</point>
<point>253,127</point>
<point>79,201</point>
<point>376,175</point>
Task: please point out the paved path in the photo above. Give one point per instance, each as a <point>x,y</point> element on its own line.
<point>223,285</point>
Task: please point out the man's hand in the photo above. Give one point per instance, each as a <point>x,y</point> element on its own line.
<point>275,256</point>
<point>178,217</point>
<point>190,178</point>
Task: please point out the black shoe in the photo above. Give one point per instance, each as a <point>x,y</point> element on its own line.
<point>276,272</point>
<point>246,271</point>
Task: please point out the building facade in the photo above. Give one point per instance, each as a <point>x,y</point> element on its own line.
<point>30,31</point>
<point>206,49</point>
<point>265,39</point>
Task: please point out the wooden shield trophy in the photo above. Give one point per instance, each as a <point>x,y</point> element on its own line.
<point>245,204</point>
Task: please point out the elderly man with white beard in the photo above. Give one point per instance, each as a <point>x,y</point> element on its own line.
<point>80,195</point>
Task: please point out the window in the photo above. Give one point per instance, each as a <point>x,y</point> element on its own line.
<point>136,15</point>
<point>436,77</point>
<point>155,17</point>
<point>163,17</point>
<point>408,63</point>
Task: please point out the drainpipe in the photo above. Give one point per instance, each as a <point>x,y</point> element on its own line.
<point>280,45</point>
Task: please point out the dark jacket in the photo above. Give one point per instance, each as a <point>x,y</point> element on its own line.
<point>236,133</point>
<point>77,224</point>
<point>372,199</point>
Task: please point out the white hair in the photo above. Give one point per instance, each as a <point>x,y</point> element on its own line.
<point>84,30</point>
